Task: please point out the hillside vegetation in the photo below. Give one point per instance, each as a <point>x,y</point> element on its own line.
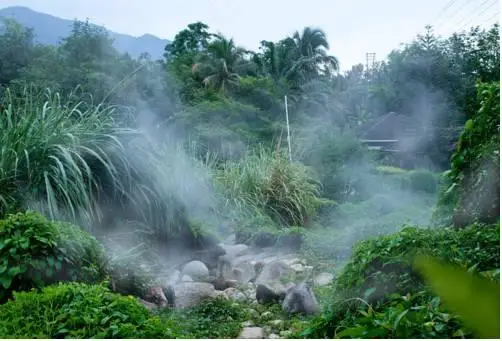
<point>113,167</point>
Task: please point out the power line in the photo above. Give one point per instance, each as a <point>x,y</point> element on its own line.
<point>454,13</point>
<point>444,9</point>
<point>469,15</point>
<point>482,12</point>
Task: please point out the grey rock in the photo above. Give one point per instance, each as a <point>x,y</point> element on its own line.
<point>190,294</point>
<point>323,279</point>
<point>297,267</point>
<point>230,240</point>
<point>236,250</point>
<point>245,272</point>
<point>225,267</point>
<point>210,256</point>
<point>252,333</point>
<point>196,270</point>
<point>270,293</point>
<point>235,294</point>
<point>174,277</point>
<point>300,299</point>
<point>186,278</point>
<point>220,283</point>
<point>148,305</point>
<point>156,295</point>
<point>273,272</point>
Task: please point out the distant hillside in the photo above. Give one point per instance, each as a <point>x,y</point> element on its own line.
<point>50,29</point>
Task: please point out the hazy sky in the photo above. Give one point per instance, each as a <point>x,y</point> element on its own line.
<point>354,27</point>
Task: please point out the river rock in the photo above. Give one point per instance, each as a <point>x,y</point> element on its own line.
<point>273,292</point>
<point>196,270</point>
<point>252,333</point>
<point>190,294</point>
<point>186,278</point>
<point>300,299</point>
<point>235,294</point>
<point>273,272</point>
<point>236,250</point>
<point>323,279</point>
<point>156,295</point>
<point>244,272</point>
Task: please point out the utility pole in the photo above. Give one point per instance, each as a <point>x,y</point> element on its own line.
<point>370,60</point>
<point>287,126</point>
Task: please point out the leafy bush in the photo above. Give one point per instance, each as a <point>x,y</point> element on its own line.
<point>423,181</point>
<point>212,319</point>
<point>75,161</point>
<point>378,294</point>
<point>50,148</point>
<point>473,178</point>
<point>35,252</point>
<point>76,310</point>
<point>338,160</point>
<point>286,191</point>
<point>390,170</point>
<point>475,247</point>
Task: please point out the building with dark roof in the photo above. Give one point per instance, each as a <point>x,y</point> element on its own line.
<point>395,134</point>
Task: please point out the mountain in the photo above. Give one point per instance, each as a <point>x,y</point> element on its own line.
<point>49,30</point>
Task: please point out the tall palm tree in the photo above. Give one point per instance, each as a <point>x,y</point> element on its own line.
<point>222,64</point>
<point>311,56</point>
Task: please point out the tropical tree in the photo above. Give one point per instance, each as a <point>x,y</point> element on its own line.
<point>222,64</point>
<point>310,54</point>
<point>16,50</point>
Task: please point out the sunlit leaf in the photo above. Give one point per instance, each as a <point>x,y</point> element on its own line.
<point>474,298</point>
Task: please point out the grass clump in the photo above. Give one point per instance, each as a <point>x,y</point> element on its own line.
<point>76,310</point>
<point>51,149</point>
<point>379,294</point>
<point>76,161</point>
<point>213,318</point>
<point>35,252</point>
<point>268,182</point>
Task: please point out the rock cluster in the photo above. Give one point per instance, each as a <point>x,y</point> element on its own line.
<point>240,272</point>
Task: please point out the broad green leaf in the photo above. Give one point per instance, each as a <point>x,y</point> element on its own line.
<point>474,298</point>
<point>6,281</point>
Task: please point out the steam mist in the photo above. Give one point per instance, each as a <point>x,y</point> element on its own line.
<point>370,201</point>
<point>160,200</point>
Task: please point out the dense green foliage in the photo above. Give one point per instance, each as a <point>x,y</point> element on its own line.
<point>288,192</point>
<point>473,180</point>
<point>379,294</point>
<point>154,154</point>
<point>35,252</point>
<point>475,299</point>
<point>75,310</point>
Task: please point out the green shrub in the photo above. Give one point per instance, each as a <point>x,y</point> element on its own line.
<point>35,252</point>
<point>389,170</point>
<point>73,161</point>
<point>338,160</point>
<point>268,182</point>
<point>476,247</point>
<point>423,181</point>
<point>76,310</point>
<point>473,193</point>
<point>211,319</point>
<point>50,148</point>
<point>378,294</point>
